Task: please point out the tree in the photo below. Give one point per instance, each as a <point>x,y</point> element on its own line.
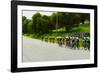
<point>43,23</point>
<point>29,27</point>
<point>70,20</point>
<point>84,17</point>
<point>67,20</point>
<point>45,28</point>
<point>35,22</point>
<point>23,18</point>
<point>46,23</point>
<point>25,22</point>
<point>53,20</point>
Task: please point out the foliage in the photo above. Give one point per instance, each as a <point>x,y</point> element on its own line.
<point>58,24</point>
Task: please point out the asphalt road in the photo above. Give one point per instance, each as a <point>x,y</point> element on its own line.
<point>36,50</point>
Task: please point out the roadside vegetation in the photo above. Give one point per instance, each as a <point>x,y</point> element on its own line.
<point>58,24</point>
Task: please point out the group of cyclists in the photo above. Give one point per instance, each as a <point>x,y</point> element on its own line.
<point>73,41</point>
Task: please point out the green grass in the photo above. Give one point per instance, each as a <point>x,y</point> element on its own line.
<point>59,30</point>
<point>81,28</point>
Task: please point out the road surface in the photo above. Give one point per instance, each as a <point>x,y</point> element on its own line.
<point>36,50</point>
